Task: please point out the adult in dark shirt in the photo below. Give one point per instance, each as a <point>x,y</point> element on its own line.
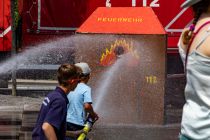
<point>51,122</point>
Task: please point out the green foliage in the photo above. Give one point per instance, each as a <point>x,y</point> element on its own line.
<point>16,13</point>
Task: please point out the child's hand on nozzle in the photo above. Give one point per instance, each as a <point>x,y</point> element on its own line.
<point>95,117</point>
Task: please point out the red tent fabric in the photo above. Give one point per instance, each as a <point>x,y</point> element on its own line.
<point>5,27</point>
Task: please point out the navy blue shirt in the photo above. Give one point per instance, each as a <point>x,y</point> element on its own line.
<point>53,111</point>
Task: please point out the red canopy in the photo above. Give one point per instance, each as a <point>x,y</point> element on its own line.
<point>5,28</point>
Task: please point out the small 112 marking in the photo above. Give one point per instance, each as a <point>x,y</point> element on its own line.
<point>154,3</point>
<point>151,79</point>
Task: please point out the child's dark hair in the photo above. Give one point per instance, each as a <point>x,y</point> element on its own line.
<point>198,9</point>
<point>66,72</point>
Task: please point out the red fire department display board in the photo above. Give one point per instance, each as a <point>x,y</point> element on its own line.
<point>111,21</point>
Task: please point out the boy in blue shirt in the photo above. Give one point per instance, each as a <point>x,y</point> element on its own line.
<point>51,122</point>
<point>80,103</point>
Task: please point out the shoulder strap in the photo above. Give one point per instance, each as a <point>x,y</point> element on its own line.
<point>191,41</point>
<point>202,40</point>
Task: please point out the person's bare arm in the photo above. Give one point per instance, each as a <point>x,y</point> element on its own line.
<point>49,131</point>
<point>88,108</point>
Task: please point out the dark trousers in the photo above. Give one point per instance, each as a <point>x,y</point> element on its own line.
<point>73,127</point>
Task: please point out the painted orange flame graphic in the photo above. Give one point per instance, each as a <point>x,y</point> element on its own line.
<point>118,48</point>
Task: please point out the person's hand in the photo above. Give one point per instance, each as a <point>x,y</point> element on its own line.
<point>95,117</point>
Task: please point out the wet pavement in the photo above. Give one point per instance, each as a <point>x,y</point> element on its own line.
<point>18,116</point>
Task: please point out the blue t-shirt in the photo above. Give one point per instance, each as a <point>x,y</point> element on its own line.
<point>53,111</point>
<point>77,98</point>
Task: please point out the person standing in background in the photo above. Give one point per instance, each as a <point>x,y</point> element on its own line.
<point>194,49</point>
<point>51,122</point>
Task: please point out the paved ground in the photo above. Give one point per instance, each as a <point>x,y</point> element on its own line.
<point>9,100</point>
<point>100,132</point>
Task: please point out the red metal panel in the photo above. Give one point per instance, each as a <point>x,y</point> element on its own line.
<point>63,13</point>
<point>67,15</point>
<point>72,13</point>
<point>168,11</point>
